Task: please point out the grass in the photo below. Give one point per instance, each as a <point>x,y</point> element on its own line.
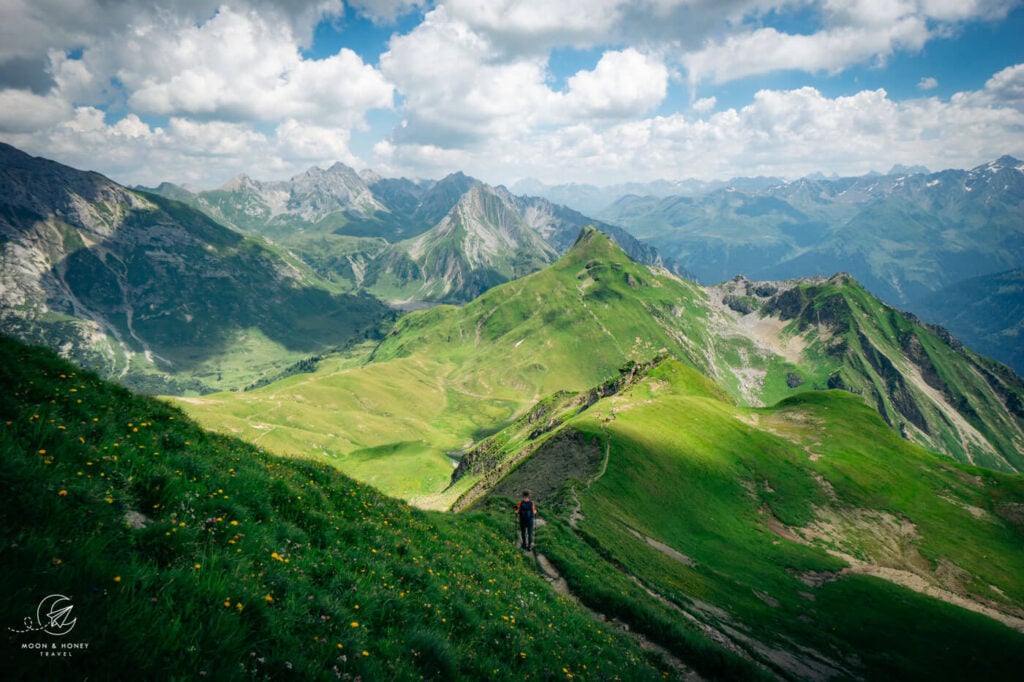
<point>203,555</point>
<point>706,478</point>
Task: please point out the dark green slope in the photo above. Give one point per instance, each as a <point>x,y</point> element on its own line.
<point>190,555</point>
<point>153,292</point>
<point>790,533</point>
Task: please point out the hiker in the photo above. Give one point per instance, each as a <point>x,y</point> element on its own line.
<point>527,510</point>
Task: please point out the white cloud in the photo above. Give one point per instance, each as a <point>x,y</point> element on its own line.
<point>767,50</point>
<point>460,90</point>
<point>622,84</point>
<point>537,25</point>
<point>217,83</point>
<point>386,11</point>
<point>1004,88</point>
<point>927,83</point>
<point>222,86</point>
<point>457,89</point>
<point>23,111</point>
<point>705,104</point>
<point>28,28</point>
<point>790,133</point>
<point>237,67</point>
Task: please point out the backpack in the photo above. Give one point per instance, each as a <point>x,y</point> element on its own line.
<point>526,510</point>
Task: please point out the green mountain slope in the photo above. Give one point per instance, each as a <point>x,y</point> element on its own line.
<point>184,553</point>
<point>403,415</point>
<point>807,536</point>
<point>923,382</point>
<point>448,376</point>
<point>153,292</point>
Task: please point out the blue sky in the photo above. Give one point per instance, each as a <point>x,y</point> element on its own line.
<point>597,91</point>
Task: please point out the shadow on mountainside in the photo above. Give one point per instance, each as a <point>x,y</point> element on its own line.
<point>175,284</point>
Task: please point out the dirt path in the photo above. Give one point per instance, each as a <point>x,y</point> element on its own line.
<point>559,585</point>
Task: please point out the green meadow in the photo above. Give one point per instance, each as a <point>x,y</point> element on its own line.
<point>190,555</point>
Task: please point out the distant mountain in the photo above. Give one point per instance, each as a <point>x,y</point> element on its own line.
<point>903,236</point>
<point>986,313</point>
<point>153,292</point>
<point>481,242</point>
<point>593,199</point>
<point>317,200</point>
<point>408,242</point>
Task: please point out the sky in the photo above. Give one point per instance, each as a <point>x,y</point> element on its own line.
<point>563,91</point>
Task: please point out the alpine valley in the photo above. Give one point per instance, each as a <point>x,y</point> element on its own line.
<point>757,479</point>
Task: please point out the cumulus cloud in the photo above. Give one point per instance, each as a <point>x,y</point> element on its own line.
<point>216,87</point>
<point>622,84</point>
<point>217,83</point>
<point>766,50</point>
<point>788,133</point>
<point>24,111</point>
<point>185,150</point>
<point>927,83</point>
<point>851,32</point>
<point>705,104</point>
<point>1004,88</point>
<point>461,89</point>
<point>235,66</point>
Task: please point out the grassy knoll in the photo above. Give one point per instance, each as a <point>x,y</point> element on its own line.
<point>188,554</point>
<point>774,526</point>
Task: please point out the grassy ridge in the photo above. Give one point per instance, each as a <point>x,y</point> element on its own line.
<point>201,555</point>
<point>448,376</point>
<point>905,370</point>
<point>768,506</point>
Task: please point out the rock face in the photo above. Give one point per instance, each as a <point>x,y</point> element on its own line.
<point>446,241</point>
<point>139,285</point>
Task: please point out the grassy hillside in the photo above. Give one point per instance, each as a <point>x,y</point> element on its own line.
<point>447,377</point>
<point>924,383</point>
<point>189,554</point>
<point>401,415</point>
<point>790,533</point>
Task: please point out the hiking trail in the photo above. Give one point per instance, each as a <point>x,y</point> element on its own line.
<point>559,585</point>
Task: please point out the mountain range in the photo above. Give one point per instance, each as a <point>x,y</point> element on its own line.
<point>905,236</point>
<point>411,243</point>
<point>807,539</point>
